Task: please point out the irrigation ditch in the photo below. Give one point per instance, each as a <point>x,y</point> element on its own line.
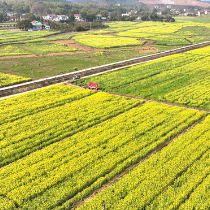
<point>27,86</point>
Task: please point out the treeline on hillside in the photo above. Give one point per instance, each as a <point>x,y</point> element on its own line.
<point>35,9</point>
<point>64,27</point>
<point>154,17</point>
<point>88,11</point>
<point>76,26</point>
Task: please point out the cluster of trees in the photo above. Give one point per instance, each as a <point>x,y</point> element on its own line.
<point>24,24</point>
<point>72,26</point>
<point>154,17</point>
<point>76,26</point>
<point>48,7</point>
<point>88,11</point>
<point>3,17</point>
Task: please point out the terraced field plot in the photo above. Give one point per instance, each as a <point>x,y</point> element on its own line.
<point>177,177</point>
<point>60,144</point>
<point>14,36</point>
<point>9,79</point>
<point>103,41</point>
<point>34,48</point>
<point>120,41</point>
<point>182,32</point>
<point>59,147</point>
<point>181,78</point>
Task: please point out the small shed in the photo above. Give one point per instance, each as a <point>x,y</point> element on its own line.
<point>37,26</point>
<point>47,27</point>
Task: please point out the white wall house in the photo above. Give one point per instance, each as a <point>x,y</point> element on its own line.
<point>126,15</point>
<point>54,17</point>
<point>78,17</point>
<point>62,17</point>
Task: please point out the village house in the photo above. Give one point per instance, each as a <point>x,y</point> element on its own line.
<point>11,14</point>
<point>206,12</point>
<point>126,14</point>
<point>36,25</point>
<point>200,13</point>
<point>78,17</point>
<point>100,17</point>
<point>49,17</point>
<point>54,17</point>
<point>15,17</point>
<point>62,17</point>
<point>176,12</point>
<point>188,13</point>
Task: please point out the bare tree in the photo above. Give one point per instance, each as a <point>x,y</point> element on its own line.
<point>38,8</point>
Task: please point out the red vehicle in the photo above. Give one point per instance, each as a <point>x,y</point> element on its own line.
<point>92,85</point>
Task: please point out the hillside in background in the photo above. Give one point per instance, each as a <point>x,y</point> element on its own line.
<point>177,2</point>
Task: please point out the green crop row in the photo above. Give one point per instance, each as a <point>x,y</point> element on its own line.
<point>177,176</point>
<point>195,94</point>
<point>43,99</point>
<point>173,78</point>
<point>113,81</point>
<point>34,48</point>
<point>36,130</point>
<point>11,36</point>
<point>105,41</point>
<point>9,79</point>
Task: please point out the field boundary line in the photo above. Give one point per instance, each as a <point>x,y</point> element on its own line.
<point>144,99</point>
<point>132,167</point>
<point>161,102</point>
<point>23,87</point>
<point>38,147</point>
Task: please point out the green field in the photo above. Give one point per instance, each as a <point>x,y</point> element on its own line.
<point>181,78</point>
<point>61,143</point>
<point>103,41</point>
<point>9,79</point>
<point>178,33</point>
<point>177,177</point>
<point>120,41</point>
<point>59,147</point>
<point>45,66</point>
<point>34,48</point>
<point>14,36</point>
